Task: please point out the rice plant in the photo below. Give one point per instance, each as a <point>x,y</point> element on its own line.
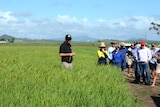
<point>31,76</point>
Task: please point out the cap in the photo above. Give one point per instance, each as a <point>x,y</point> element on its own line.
<point>102,45</point>
<point>135,42</point>
<point>143,42</point>
<point>68,37</point>
<point>113,42</point>
<point>117,47</point>
<point>153,45</point>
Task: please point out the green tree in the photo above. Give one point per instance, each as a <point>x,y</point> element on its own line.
<point>155,27</point>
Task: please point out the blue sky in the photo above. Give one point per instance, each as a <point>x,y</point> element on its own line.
<point>101,19</point>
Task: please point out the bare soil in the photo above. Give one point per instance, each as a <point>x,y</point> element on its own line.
<point>148,96</point>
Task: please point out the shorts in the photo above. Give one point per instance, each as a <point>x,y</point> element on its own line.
<point>152,66</point>
<point>129,61</point>
<point>158,68</point>
<point>67,65</point>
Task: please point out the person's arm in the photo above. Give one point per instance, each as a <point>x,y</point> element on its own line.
<point>157,57</point>
<point>67,54</point>
<point>149,54</point>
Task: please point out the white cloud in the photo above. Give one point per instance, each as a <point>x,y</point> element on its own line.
<point>66,19</point>
<point>6,17</point>
<point>122,28</point>
<point>101,20</point>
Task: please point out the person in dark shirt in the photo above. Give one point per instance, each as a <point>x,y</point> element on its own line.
<point>65,52</point>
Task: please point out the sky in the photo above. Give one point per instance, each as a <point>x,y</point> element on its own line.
<point>99,19</point>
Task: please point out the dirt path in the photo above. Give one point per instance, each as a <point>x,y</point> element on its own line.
<point>150,97</point>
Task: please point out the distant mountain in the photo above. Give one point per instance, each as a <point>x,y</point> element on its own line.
<point>6,37</point>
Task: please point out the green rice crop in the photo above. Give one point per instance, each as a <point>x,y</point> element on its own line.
<point>31,76</point>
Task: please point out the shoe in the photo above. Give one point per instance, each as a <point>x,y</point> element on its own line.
<point>146,83</point>
<point>135,81</point>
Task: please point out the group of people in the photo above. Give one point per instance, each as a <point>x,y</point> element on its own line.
<point>145,62</point>
<point>141,59</point>
<point>115,55</point>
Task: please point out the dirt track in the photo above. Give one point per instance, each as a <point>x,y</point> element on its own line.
<point>150,97</point>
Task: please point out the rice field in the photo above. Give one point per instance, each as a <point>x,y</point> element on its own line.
<point>31,76</point>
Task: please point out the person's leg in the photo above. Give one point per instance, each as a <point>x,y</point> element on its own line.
<point>129,64</point>
<point>154,80</point>
<point>123,65</point>
<point>140,71</point>
<point>152,68</point>
<point>70,66</point>
<point>135,69</point>
<point>143,73</point>
<point>67,65</point>
<point>146,68</point>
<point>119,65</point>
<point>156,74</point>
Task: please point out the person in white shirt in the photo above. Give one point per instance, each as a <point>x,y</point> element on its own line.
<point>110,50</point>
<point>144,56</point>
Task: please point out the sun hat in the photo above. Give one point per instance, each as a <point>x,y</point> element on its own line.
<point>143,42</point>
<point>122,44</point>
<point>102,45</point>
<point>68,37</point>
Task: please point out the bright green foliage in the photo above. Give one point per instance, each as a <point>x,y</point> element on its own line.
<point>31,76</point>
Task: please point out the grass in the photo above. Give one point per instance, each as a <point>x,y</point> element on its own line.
<point>31,76</point>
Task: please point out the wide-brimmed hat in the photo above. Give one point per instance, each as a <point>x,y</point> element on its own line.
<point>102,45</point>
<point>122,44</point>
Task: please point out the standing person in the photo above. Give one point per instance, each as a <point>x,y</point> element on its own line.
<point>134,49</point>
<point>117,57</point>
<point>102,54</point>
<point>157,56</point>
<point>144,55</point>
<point>65,52</point>
<point>153,61</point>
<point>110,50</point>
<point>129,60</point>
<point>124,51</point>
